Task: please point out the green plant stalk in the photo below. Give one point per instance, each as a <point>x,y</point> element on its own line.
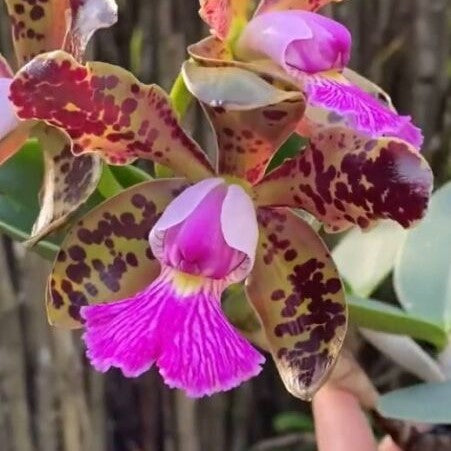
<point>108,185</point>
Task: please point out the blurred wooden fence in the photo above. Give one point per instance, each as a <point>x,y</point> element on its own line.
<point>49,399</point>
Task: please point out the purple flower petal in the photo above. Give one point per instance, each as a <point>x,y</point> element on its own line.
<point>8,118</point>
<point>195,233</point>
<point>239,226</point>
<point>360,110</point>
<point>299,40</point>
<point>177,323</point>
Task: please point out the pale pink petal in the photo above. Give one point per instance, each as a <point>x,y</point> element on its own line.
<point>305,41</point>
<point>240,229</point>
<point>197,246</point>
<point>8,118</point>
<point>178,210</point>
<point>209,230</point>
<point>181,328</point>
<point>361,111</point>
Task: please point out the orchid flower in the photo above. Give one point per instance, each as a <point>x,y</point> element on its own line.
<point>287,39</point>
<point>158,295</point>
<point>358,144</point>
<point>38,27</point>
<point>144,272</point>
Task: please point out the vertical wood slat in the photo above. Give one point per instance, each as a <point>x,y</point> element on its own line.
<point>13,382</point>
<point>39,353</point>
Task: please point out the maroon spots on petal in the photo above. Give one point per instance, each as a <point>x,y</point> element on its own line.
<point>37,12</point>
<point>274,115</point>
<point>290,255</point>
<point>277,295</point>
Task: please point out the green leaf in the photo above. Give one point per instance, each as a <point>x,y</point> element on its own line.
<point>293,421</point>
<point>423,403</point>
<point>128,176</point>
<point>20,182</point>
<point>365,259</point>
<point>376,315</point>
<point>423,270</point>
<point>290,149</point>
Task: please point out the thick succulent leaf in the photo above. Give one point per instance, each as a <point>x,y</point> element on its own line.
<point>106,110</point>
<point>365,259</point>
<point>106,256</point>
<point>382,317</point>
<point>298,296</point>
<point>42,26</point>
<point>406,353</point>
<point>282,5</point>
<point>424,287</point>
<point>345,179</point>
<point>5,68</point>
<point>250,117</point>
<point>422,403</point>
<point>220,15</point>
<point>68,181</point>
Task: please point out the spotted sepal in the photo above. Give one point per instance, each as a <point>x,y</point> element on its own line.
<point>106,256</point>
<point>219,15</point>
<point>283,5</point>
<point>212,52</point>
<point>345,179</point>
<point>39,26</point>
<point>295,289</point>
<point>68,181</point>
<point>106,110</point>
<point>250,117</point>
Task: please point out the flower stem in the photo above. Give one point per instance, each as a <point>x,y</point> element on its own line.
<point>180,97</point>
<point>108,185</point>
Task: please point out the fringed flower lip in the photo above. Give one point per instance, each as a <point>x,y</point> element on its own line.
<point>177,322</point>
<point>314,50</point>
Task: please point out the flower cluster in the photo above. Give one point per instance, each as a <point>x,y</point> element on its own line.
<point>144,272</point>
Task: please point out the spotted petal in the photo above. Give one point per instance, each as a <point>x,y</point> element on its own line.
<point>345,179</point>
<point>251,118</point>
<point>213,52</point>
<point>220,14</point>
<point>41,26</point>
<point>68,181</point>
<point>106,256</point>
<point>88,16</point>
<point>282,5</point>
<point>106,110</point>
<point>298,296</point>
